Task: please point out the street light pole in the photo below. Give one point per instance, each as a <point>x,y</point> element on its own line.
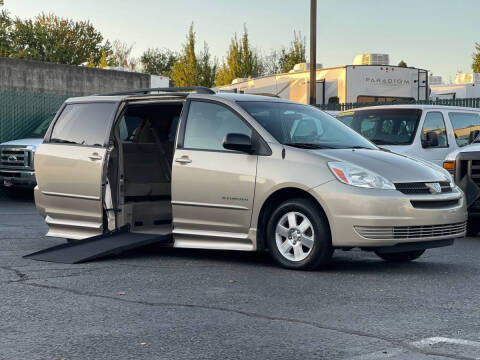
<point>313,52</point>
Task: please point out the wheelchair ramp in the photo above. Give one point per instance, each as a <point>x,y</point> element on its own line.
<point>97,247</point>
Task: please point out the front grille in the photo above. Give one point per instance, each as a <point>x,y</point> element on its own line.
<point>417,188</point>
<point>17,158</point>
<point>440,204</point>
<point>412,232</point>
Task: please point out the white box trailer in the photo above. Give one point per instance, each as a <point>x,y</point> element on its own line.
<point>466,86</point>
<point>343,84</point>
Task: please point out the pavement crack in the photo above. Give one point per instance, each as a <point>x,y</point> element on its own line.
<point>314,324</point>
<point>21,276</point>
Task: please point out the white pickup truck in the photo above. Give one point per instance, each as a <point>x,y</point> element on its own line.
<point>16,158</point>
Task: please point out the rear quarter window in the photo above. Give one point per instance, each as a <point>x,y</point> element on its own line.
<point>463,125</point>
<point>83,124</point>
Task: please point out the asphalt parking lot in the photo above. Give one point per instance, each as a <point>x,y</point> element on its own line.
<point>159,303</point>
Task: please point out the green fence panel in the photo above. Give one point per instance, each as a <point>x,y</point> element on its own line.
<point>21,112</point>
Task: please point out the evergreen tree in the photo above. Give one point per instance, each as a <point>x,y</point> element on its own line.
<point>242,61</point>
<point>193,70</point>
<point>476,59</point>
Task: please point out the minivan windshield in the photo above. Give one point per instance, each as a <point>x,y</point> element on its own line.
<point>303,126</point>
<point>384,126</point>
<point>41,129</point>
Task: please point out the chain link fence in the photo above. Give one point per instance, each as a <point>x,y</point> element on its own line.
<point>21,112</point>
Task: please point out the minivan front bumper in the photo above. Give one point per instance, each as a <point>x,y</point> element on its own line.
<point>374,218</point>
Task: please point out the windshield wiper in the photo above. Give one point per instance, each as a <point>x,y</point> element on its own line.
<point>309,145</point>
<point>61,141</point>
<point>358,147</point>
<point>383,142</point>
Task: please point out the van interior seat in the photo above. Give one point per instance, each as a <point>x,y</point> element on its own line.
<point>148,135</point>
<point>145,171</point>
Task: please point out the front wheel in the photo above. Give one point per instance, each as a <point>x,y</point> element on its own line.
<point>401,256</point>
<point>298,235</point>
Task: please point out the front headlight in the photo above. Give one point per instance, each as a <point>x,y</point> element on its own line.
<point>357,176</point>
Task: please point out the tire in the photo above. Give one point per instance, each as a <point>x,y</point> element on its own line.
<point>473,228</point>
<point>310,244</point>
<point>401,257</point>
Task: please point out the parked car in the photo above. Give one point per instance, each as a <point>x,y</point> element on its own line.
<point>16,158</point>
<point>238,172</point>
<point>464,165</point>
<point>428,132</point>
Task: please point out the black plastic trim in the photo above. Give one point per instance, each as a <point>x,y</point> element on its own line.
<point>437,204</point>
<point>197,89</point>
<point>422,245</point>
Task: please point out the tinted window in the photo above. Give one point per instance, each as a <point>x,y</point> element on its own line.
<point>83,124</point>
<point>208,123</point>
<point>381,99</point>
<point>463,125</point>
<point>128,127</point>
<point>434,123</point>
<point>303,126</point>
<point>41,129</point>
<point>384,126</point>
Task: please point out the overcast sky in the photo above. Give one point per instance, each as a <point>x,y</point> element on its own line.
<point>438,35</point>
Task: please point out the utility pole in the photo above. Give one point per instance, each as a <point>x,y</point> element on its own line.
<point>313,52</point>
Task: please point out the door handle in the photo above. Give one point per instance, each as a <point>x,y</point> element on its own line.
<point>183,160</point>
<point>95,157</point>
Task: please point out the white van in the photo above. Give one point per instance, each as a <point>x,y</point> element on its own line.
<point>427,132</point>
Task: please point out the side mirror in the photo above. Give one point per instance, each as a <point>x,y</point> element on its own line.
<point>431,140</point>
<point>238,142</point>
<point>473,136</point>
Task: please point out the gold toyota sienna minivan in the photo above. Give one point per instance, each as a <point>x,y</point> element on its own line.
<point>238,172</point>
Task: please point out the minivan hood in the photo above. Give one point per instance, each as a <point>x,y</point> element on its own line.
<point>32,142</point>
<point>394,167</point>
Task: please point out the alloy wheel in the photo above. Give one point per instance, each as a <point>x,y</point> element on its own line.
<point>294,236</point>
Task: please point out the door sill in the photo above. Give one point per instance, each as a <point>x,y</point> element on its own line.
<point>163,229</point>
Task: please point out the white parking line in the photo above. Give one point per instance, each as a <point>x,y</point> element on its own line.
<point>436,340</point>
<point>421,344</point>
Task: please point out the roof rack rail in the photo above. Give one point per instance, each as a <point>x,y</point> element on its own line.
<point>145,91</point>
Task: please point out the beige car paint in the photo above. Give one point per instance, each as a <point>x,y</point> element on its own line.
<point>217,197</point>
<point>218,206</point>
<point>71,189</point>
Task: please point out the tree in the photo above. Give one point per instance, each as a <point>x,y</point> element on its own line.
<point>121,56</point>
<point>295,54</point>
<point>6,23</point>
<point>158,62</point>
<point>271,62</point>
<point>241,61</point>
<point>402,64</point>
<point>53,39</point>
<point>193,70</point>
<point>476,59</point>
<point>206,68</point>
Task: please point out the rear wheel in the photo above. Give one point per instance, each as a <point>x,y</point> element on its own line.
<point>299,236</point>
<point>401,256</point>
